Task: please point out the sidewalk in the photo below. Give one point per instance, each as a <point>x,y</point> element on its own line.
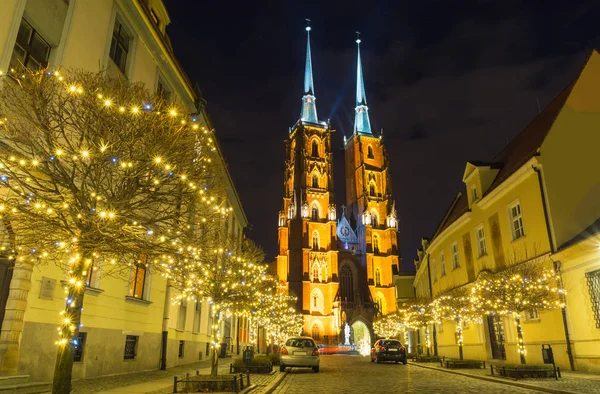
<point>571,382</point>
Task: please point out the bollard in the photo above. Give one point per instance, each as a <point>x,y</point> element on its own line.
<point>235,388</point>
<point>248,379</point>
<point>484,365</point>
<point>241,382</point>
<point>175,384</point>
<point>197,372</point>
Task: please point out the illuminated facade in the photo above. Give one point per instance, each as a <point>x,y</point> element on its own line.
<point>342,268</point>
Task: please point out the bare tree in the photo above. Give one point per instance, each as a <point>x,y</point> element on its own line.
<point>96,172</point>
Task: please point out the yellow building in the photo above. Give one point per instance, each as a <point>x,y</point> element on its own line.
<point>341,269</point>
<point>125,324</point>
<point>534,201</point>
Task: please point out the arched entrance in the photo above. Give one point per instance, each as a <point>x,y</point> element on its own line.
<point>362,337</point>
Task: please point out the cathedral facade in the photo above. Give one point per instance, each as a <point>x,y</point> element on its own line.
<point>340,267</point>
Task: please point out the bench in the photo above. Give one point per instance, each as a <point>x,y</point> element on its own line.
<point>462,364</point>
<point>526,372</point>
<point>202,383</point>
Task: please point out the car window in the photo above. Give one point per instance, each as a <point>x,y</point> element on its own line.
<point>300,342</point>
<point>391,342</point>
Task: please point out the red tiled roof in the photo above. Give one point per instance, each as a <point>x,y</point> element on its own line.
<point>518,151</point>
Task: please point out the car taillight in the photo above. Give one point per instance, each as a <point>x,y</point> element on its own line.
<point>381,348</point>
<point>402,349</point>
<point>315,352</point>
<point>284,351</point>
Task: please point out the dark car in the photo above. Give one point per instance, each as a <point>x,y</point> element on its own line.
<point>388,350</point>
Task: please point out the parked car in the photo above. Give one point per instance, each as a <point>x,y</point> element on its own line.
<point>300,352</point>
<point>388,350</point>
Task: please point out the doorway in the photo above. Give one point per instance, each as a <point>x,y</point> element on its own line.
<point>362,337</point>
<point>496,331</point>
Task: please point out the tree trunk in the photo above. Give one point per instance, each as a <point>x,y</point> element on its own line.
<point>214,362</point>
<point>427,344</point>
<point>520,344</point>
<point>69,330</point>
<point>459,337</point>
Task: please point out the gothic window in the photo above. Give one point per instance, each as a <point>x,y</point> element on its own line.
<point>377,277</point>
<point>317,302</point>
<point>315,214</point>
<point>374,220</point>
<point>372,190</point>
<point>375,244</point>
<point>315,332</point>
<point>315,272</point>
<point>370,154</point>
<point>346,284</point>
<point>315,149</point>
<point>315,181</point>
<point>315,240</point>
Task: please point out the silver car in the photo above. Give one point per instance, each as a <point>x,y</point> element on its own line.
<point>299,352</point>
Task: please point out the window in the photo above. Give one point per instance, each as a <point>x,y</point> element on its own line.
<point>377,277</point>
<point>315,272</point>
<point>315,149</point>
<point>516,221</point>
<point>315,300</point>
<point>181,348</point>
<point>372,189</point>
<point>315,332</point>
<point>315,181</point>
<point>375,244</point>
<point>474,196</point>
<point>532,314</point>
<point>455,256</point>
<point>181,316</point>
<point>346,283</point>
<point>593,281</point>
<point>442,264</point>
<point>30,50</point>
<point>374,220</point>
<point>119,46</point>
<point>370,154</point>
<point>138,279</point>
<point>131,342</point>
<point>79,345</point>
<point>163,91</point>
<point>480,234</point>
<point>315,240</point>
<point>197,317</point>
<point>93,276</point>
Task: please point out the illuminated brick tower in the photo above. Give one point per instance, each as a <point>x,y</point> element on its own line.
<point>336,298</point>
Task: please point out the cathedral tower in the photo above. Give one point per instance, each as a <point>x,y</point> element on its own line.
<point>307,260</point>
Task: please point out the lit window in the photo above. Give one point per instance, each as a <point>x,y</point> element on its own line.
<point>442,264</point>
<point>455,256</point>
<point>481,247</point>
<point>138,278</point>
<point>532,314</point>
<point>119,46</point>
<point>370,154</point>
<point>377,277</point>
<point>315,272</point>
<point>131,342</point>
<point>30,50</point>
<point>516,220</point>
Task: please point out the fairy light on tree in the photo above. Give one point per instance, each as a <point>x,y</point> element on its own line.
<point>456,305</point>
<point>82,186</point>
<point>275,312</point>
<point>521,288</point>
<point>419,315</point>
<point>389,326</point>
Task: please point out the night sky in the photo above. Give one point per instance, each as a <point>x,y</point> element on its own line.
<point>448,81</point>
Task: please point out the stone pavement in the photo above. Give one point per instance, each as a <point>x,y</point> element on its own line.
<point>571,382</point>
<point>355,374</point>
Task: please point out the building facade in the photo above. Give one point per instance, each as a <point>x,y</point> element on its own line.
<point>340,268</point>
<point>125,325</point>
<point>534,202</point>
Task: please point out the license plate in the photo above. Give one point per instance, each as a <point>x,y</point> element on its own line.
<point>393,350</point>
<point>299,353</point>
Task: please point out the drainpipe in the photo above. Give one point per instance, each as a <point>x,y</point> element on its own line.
<point>556,267</point>
<point>165,327</point>
<point>435,347</point>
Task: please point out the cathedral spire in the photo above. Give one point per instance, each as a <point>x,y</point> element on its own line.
<point>361,120</point>
<point>309,108</point>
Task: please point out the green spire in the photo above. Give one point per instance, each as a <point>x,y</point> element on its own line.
<point>362,124</point>
<point>309,108</point>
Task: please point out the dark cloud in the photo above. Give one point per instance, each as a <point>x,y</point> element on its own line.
<point>447,81</point>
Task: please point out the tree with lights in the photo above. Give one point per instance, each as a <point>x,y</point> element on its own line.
<point>96,172</point>
<point>276,312</point>
<point>389,326</point>
<point>520,288</point>
<point>456,305</point>
<point>417,315</point>
<point>229,277</point>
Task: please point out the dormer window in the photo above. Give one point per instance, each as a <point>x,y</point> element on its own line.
<point>474,194</point>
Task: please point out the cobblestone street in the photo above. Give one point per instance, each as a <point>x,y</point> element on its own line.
<point>355,374</point>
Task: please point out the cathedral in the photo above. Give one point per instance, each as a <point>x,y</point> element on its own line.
<point>340,267</point>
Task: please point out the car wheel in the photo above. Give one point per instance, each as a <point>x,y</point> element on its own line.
<point>281,368</point>
<point>377,360</point>
<point>316,369</point>
<point>404,362</point>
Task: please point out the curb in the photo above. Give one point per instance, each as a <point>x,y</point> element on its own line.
<point>273,385</point>
<point>498,380</point>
